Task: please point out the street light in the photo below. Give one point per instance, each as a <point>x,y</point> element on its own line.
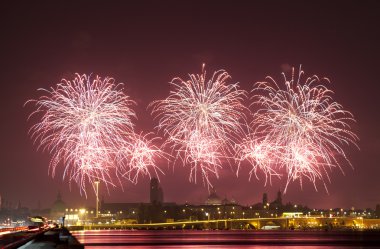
<point>82,216</point>
<point>97,198</point>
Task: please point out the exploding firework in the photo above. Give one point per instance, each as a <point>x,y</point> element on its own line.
<point>139,157</point>
<point>260,154</point>
<point>303,129</point>
<point>83,123</point>
<point>201,119</point>
<point>203,154</point>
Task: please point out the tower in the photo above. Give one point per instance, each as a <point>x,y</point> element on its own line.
<point>279,198</point>
<point>58,208</point>
<point>265,199</point>
<point>156,193</point>
<point>59,196</point>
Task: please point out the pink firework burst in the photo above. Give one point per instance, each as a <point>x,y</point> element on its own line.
<point>83,123</point>
<point>140,157</point>
<point>201,120</point>
<point>307,128</point>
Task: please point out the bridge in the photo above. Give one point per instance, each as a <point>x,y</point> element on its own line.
<point>283,223</point>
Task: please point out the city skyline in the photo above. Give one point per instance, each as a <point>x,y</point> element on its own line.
<point>213,200</point>
<point>141,45</point>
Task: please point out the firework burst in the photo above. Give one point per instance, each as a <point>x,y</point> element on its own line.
<point>139,157</point>
<point>260,154</point>
<point>307,128</point>
<point>83,122</point>
<point>201,120</point>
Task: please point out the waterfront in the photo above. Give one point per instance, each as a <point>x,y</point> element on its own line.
<point>143,239</point>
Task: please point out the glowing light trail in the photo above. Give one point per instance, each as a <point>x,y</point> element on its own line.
<point>201,120</point>
<point>303,129</point>
<point>140,157</point>
<point>84,125</point>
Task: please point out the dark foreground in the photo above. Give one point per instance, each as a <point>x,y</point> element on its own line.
<point>42,238</point>
<point>143,239</point>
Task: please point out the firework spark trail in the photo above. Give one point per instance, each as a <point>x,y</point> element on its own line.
<point>304,123</point>
<point>204,153</point>
<point>262,155</point>
<point>139,157</point>
<point>201,120</point>
<point>84,124</point>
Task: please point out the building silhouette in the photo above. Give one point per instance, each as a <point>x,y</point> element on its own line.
<point>278,201</point>
<point>156,193</point>
<point>265,199</point>
<point>213,198</point>
<point>279,197</point>
<point>58,208</point>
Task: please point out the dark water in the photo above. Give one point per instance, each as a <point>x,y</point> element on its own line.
<point>182,239</point>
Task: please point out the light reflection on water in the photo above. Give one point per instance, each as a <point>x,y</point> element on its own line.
<point>189,239</point>
<point>230,247</point>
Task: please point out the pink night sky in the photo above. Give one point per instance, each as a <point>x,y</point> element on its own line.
<point>145,44</point>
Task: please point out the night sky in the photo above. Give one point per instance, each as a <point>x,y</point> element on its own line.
<point>147,43</point>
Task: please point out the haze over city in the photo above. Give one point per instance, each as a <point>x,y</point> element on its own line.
<point>146,44</point>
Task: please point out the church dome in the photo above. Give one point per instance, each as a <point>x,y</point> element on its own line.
<point>213,199</point>
<point>59,207</point>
